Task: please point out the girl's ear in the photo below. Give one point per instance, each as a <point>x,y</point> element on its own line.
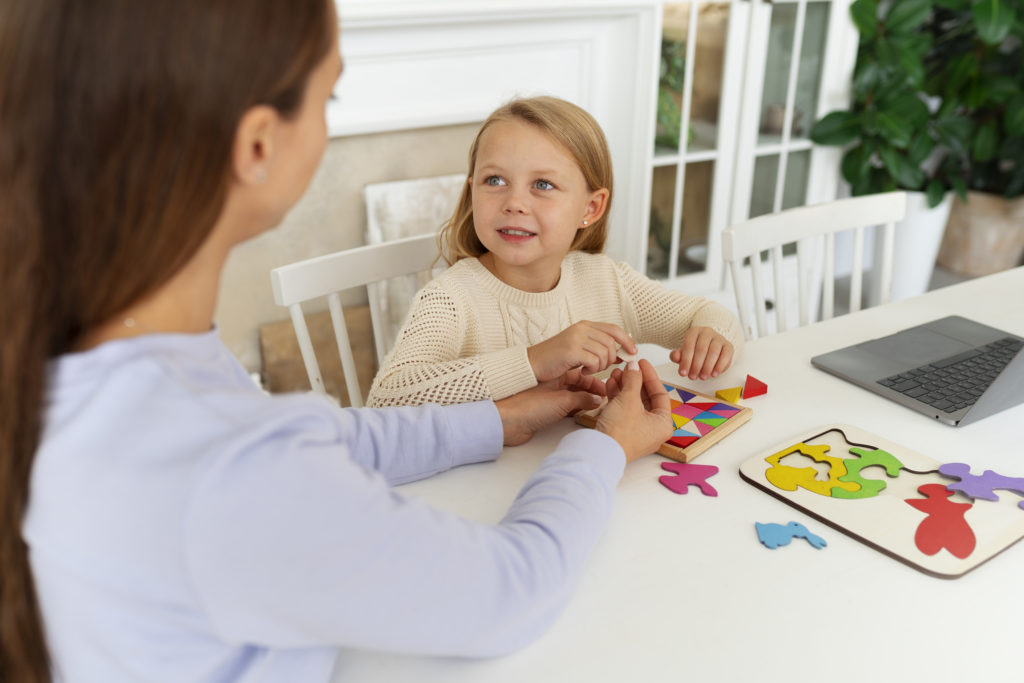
<point>254,145</point>
<point>596,205</point>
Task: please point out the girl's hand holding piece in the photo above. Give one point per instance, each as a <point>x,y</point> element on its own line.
<point>588,345</point>
<point>638,411</point>
<point>703,354</point>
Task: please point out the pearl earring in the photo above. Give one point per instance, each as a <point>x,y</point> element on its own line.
<point>261,176</point>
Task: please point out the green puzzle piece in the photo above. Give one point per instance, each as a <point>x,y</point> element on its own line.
<point>869,488</point>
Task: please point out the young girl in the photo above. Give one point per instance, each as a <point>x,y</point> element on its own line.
<point>529,295</point>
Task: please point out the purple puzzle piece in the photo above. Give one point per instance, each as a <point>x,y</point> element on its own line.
<point>981,486</point>
<point>687,473</point>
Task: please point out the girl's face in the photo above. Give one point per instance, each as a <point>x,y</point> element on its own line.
<point>529,199</point>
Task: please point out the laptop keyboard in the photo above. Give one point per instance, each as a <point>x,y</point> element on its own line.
<point>956,382</point>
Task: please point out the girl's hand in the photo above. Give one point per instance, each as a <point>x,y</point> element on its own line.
<point>589,346</point>
<point>637,414</point>
<point>704,353</point>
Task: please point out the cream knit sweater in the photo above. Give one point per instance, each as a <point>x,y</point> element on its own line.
<point>467,332</point>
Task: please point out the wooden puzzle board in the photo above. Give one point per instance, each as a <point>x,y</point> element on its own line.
<point>811,471</point>
<point>701,421</point>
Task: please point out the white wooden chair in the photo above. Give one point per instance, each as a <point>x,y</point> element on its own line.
<point>328,275</point>
<point>813,229</point>
<point>395,210</point>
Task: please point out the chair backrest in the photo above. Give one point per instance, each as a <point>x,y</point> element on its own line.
<point>813,229</point>
<point>395,210</point>
<point>328,275</point>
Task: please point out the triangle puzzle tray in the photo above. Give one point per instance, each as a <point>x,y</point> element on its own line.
<point>700,422</point>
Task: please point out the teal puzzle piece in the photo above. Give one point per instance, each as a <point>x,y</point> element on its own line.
<point>869,488</point>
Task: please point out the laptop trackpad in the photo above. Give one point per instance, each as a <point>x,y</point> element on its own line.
<point>915,346</point>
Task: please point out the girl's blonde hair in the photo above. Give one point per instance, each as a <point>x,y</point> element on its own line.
<point>574,129</point>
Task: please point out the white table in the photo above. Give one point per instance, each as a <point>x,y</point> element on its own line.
<point>679,587</point>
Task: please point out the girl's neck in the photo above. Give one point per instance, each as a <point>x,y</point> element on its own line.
<point>536,278</point>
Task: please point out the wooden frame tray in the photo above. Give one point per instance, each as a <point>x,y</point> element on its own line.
<point>701,421</point>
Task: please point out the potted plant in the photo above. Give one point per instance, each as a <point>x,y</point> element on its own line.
<point>892,132</point>
<point>975,68</point>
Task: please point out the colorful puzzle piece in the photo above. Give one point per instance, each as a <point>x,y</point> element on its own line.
<point>687,474</point>
<point>945,526</point>
<point>773,535</point>
<point>869,488</point>
<point>980,486</point>
<point>790,478</point>
<point>731,395</point>
<point>754,387</point>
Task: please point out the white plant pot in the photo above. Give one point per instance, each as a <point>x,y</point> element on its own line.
<point>916,245</point>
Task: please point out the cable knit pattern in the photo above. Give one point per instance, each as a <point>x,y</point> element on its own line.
<point>467,332</point>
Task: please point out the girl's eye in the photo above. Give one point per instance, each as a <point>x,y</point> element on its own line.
<point>543,185</point>
<point>493,181</point>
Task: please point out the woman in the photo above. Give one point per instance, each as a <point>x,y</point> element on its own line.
<point>163,518</point>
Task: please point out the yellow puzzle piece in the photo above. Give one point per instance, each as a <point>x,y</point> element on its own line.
<point>729,395</point>
<point>789,478</point>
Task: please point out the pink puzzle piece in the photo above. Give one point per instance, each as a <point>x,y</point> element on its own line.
<point>945,526</point>
<point>687,473</point>
<point>981,486</point>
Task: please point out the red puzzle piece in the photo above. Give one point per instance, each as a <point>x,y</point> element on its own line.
<point>754,387</point>
<point>687,473</point>
<point>945,526</point>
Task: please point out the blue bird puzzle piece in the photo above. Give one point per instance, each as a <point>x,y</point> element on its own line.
<point>773,535</point>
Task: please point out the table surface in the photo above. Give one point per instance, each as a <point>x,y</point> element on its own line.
<point>679,588</point>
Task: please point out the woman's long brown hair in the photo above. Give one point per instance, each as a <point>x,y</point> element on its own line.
<point>117,120</point>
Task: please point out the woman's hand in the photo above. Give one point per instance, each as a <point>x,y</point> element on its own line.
<point>637,414</point>
<point>589,346</point>
<point>526,413</point>
<point>703,354</point>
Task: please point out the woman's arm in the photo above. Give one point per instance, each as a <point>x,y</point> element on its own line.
<point>293,544</point>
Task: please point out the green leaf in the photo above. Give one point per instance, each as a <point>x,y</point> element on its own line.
<point>985,141</point>
<point>920,148</point>
<point>906,174</point>
<point>1013,117</point>
<point>856,163</point>
<point>896,129</point>
<point>977,94</point>
<point>993,20</point>
<point>960,187</point>
<point>1003,87</point>
<point>866,78</point>
<point>837,128</point>
<point>955,133</point>
<point>906,16</point>
<point>865,17</point>
<point>959,72</point>
<point>935,193</point>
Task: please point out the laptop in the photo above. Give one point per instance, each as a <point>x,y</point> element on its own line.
<point>953,369</point>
